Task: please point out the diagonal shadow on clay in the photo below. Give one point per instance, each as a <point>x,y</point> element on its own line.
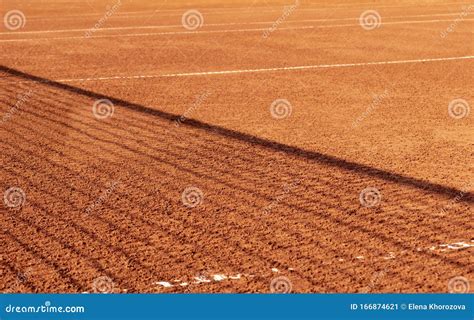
<point>294,151</point>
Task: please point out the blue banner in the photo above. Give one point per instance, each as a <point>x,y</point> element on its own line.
<point>236,306</point>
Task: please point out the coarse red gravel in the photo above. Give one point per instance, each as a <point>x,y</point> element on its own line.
<point>194,183</point>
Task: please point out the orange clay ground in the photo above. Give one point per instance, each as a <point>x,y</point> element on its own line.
<point>279,146</point>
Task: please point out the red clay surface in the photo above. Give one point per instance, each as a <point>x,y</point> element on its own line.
<point>277,197</point>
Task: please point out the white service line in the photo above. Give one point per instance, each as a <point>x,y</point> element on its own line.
<point>222,31</point>
<point>224,72</point>
<point>217,24</point>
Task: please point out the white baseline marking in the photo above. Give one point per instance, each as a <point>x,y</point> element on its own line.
<point>224,72</point>
<point>218,24</point>
<point>220,31</point>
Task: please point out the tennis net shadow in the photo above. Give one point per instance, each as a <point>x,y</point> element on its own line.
<point>118,185</point>
<point>312,155</point>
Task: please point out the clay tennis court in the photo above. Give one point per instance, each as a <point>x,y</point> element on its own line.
<point>242,146</point>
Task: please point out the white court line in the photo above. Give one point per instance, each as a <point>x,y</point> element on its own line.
<point>222,31</point>
<point>224,72</point>
<point>155,34</point>
<point>213,11</point>
<point>217,24</point>
<point>203,10</point>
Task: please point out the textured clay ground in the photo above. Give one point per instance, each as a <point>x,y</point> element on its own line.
<point>276,197</point>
